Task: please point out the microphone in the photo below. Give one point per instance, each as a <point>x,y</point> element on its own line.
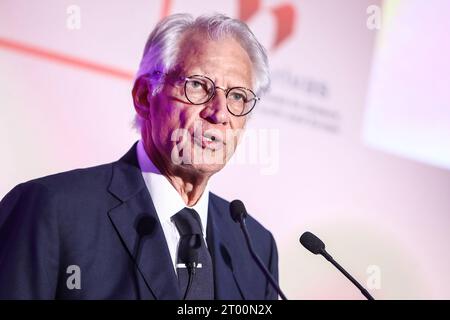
<point>316,246</point>
<point>238,214</point>
<point>191,260</point>
<point>188,253</point>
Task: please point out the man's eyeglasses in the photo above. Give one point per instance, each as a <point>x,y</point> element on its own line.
<point>200,89</point>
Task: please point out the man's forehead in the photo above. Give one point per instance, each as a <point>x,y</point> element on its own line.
<point>201,44</point>
<point>205,55</point>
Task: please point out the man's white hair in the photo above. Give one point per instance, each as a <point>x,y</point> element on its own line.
<point>163,44</point>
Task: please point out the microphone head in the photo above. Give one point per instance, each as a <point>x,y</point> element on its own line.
<point>238,211</point>
<point>192,257</point>
<point>312,243</point>
<point>145,225</point>
<point>189,250</point>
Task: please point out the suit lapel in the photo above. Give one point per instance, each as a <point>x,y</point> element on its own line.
<point>137,224</point>
<point>231,265</point>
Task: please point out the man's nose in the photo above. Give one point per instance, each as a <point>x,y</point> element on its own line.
<point>216,110</point>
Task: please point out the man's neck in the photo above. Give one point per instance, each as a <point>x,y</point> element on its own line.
<point>190,191</point>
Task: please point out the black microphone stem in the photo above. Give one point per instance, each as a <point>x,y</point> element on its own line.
<point>258,260</point>
<point>191,272</point>
<point>327,256</point>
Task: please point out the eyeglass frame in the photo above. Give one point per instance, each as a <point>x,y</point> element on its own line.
<point>225,90</point>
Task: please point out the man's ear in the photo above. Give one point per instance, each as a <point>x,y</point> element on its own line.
<point>140,93</point>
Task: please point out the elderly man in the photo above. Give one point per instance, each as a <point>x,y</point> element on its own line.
<point>146,226</point>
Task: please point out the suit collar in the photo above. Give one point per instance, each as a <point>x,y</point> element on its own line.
<point>137,224</point>
<point>232,268</point>
<point>126,180</point>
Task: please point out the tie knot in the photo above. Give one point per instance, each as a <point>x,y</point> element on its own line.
<point>188,222</point>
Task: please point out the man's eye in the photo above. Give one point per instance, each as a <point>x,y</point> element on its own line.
<point>196,84</point>
<point>237,96</point>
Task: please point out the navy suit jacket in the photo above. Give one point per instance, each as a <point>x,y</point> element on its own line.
<point>99,225</point>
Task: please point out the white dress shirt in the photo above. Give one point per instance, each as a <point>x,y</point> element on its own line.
<point>168,202</point>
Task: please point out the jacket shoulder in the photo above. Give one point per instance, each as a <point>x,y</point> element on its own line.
<point>74,181</point>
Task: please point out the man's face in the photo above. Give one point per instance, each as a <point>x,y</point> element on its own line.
<point>199,137</point>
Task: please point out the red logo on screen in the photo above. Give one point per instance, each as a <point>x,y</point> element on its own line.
<point>284,15</point>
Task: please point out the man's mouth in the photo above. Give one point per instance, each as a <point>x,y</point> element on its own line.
<point>211,137</point>
<point>209,141</point>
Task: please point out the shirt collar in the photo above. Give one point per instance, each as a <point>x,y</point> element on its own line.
<point>166,199</point>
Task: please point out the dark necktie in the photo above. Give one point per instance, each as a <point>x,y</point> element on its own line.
<point>191,248</point>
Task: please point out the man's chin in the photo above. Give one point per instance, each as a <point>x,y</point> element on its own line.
<point>205,168</point>
<point>200,159</point>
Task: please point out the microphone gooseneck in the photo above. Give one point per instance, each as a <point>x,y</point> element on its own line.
<point>238,214</point>
<point>191,263</point>
<point>313,244</point>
